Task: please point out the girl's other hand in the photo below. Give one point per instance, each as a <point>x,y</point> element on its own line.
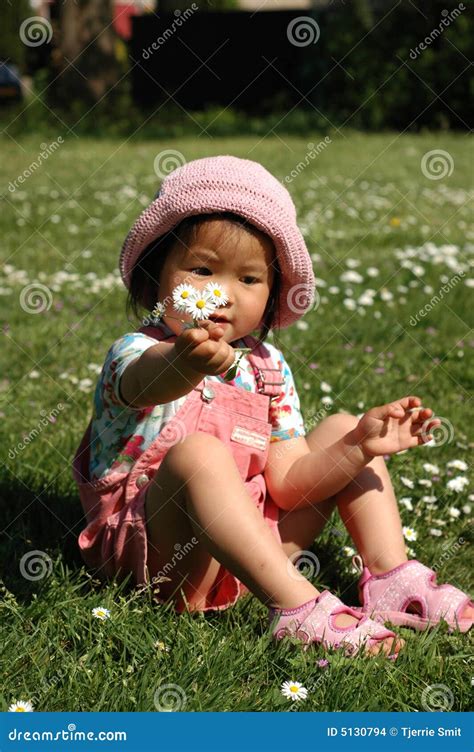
<point>396,426</point>
<point>202,349</point>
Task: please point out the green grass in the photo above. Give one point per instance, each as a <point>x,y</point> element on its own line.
<point>363,198</point>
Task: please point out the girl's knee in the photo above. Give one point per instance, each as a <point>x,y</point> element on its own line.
<point>339,422</point>
<point>197,449</point>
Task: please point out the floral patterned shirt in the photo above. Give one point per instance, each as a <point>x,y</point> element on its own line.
<point>120,433</point>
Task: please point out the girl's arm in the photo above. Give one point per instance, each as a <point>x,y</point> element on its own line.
<point>300,481</point>
<point>298,477</point>
<point>167,371</point>
<point>159,375</point>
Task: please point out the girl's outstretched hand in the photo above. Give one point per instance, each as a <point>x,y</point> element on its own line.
<point>204,350</point>
<point>391,428</point>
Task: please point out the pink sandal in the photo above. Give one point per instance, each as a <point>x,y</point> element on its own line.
<point>387,596</point>
<point>314,622</point>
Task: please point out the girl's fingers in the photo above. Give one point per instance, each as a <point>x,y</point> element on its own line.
<point>425,428</point>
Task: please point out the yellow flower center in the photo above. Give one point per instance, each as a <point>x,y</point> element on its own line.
<point>293,688</point>
<point>19,710</point>
<point>185,294</point>
<point>217,293</point>
<point>200,303</point>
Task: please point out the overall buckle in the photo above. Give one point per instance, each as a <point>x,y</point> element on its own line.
<point>262,380</point>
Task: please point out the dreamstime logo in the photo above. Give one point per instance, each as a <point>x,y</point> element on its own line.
<point>169,698</point>
<point>167,161</point>
<point>450,550</point>
<point>303,31</point>
<point>313,151</point>
<point>437,164</point>
<point>46,151</point>
<point>305,563</point>
<point>181,552</point>
<point>442,434</point>
<point>35,31</point>
<point>181,17</point>
<point>173,432</point>
<point>35,565</point>
<point>437,698</point>
<point>435,299</point>
<point>448,17</point>
<point>36,298</point>
<point>299,298</point>
<point>46,420</point>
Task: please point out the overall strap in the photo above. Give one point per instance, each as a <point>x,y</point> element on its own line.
<point>268,374</point>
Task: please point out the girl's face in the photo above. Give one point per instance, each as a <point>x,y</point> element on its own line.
<point>238,260</point>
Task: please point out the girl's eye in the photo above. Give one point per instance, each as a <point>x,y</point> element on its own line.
<point>198,268</point>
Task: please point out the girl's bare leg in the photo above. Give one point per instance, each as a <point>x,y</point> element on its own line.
<point>198,493</point>
<point>367,506</point>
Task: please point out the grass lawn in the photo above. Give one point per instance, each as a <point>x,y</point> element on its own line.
<point>385,236</point>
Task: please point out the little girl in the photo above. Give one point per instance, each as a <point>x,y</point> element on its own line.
<point>208,487</point>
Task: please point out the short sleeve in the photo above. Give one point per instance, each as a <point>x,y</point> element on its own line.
<point>123,351</point>
<point>285,410</point>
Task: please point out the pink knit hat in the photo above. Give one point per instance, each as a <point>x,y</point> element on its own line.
<point>227,183</point>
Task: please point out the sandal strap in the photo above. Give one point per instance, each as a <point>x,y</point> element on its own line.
<point>413,582</point>
<point>315,623</point>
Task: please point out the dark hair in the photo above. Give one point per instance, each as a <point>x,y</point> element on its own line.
<point>144,280</point>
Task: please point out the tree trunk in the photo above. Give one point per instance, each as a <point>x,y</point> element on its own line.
<point>85,58</point>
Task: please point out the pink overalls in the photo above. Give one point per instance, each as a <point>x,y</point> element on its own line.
<point>114,542</point>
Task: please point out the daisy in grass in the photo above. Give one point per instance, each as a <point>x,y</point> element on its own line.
<point>294,690</point>
<point>457,484</point>
<point>409,533</point>
<point>22,706</point>
<point>101,613</point>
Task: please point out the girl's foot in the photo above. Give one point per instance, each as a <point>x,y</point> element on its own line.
<point>408,595</point>
<point>327,620</point>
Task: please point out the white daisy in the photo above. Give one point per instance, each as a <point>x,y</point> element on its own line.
<point>434,531</point>
<point>327,400</point>
<point>101,613</point>
<point>348,550</point>
<point>200,305</point>
<point>429,468</point>
<point>407,482</point>
<point>180,295</point>
<point>425,482</point>
<point>325,387</point>
<point>22,706</point>
<point>458,465</point>
<point>218,293</point>
<point>466,508</point>
<point>454,512</point>
<point>294,690</point>
<point>457,484</point>
<point>409,533</point>
<point>406,501</point>
<point>429,499</point>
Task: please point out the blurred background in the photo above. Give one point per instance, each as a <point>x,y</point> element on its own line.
<point>173,67</point>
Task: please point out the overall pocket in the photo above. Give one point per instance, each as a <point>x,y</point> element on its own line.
<point>247,437</point>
